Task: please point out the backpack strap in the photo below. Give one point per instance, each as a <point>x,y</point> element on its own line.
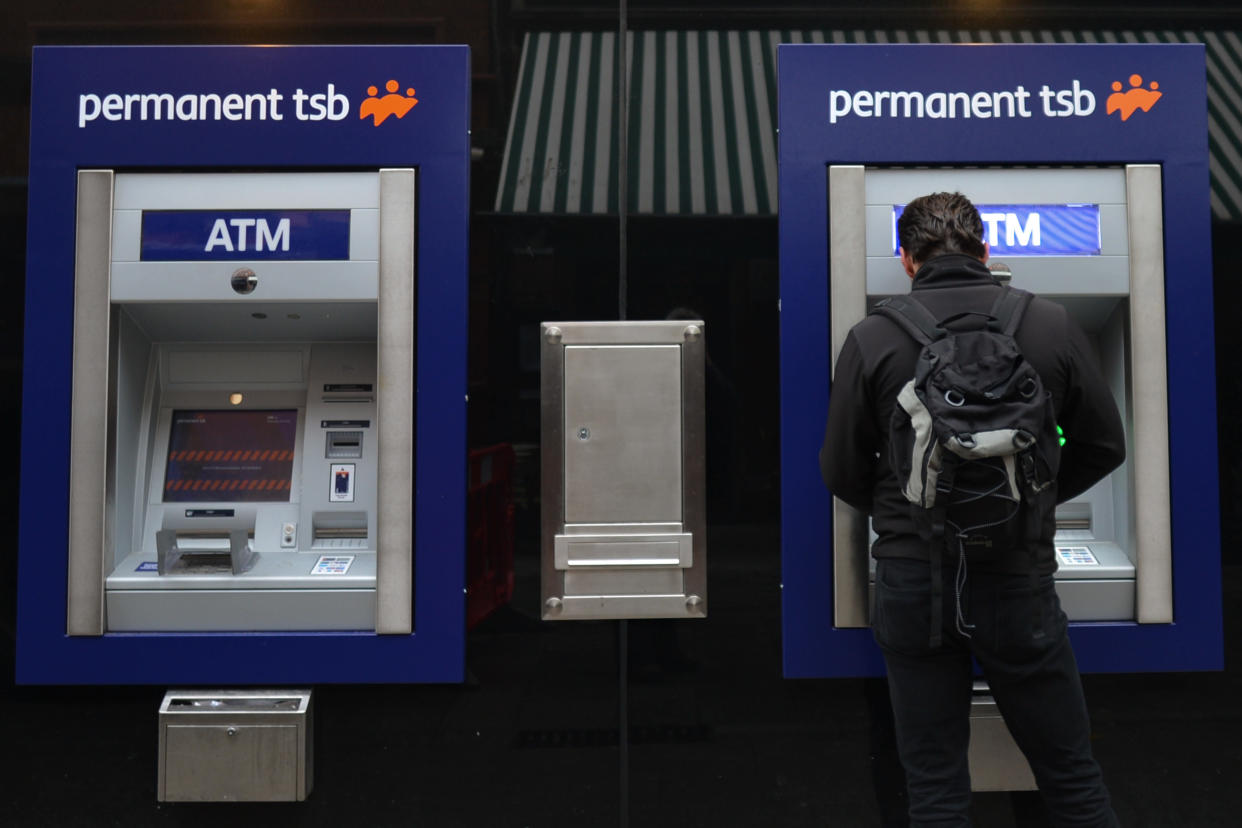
<point>1033,497</point>
<point>911,317</point>
<point>938,544</point>
<point>1008,309</point>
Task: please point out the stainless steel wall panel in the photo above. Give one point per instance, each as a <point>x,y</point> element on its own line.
<point>623,470</point>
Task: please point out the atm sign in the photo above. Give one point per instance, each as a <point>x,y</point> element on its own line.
<point>233,235</point>
<point>1034,229</point>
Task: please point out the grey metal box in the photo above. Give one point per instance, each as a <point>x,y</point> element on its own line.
<point>235,746</point>
<point>623,470</point>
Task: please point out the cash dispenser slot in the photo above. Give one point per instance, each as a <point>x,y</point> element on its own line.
<point>1074,520</point>
<point>339,530</point>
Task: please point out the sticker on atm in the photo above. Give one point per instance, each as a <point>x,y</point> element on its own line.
<point>1076,556</point>
<point>342,490</point>
<point>332,565</point>
<point>1034,229</point>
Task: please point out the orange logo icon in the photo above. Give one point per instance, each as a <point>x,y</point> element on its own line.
<point>391,104</point>
<point>1136,97</point>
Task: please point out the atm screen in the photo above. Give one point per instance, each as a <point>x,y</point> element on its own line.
<point>234,455</point>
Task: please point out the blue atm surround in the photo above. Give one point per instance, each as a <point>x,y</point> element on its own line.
<point>75,125</point>
<point>824,122</point>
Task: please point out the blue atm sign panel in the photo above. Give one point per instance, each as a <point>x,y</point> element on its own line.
<point>215,235</point>
<point>267,109</point>
<point>1034,229</point>
<point>1030,105</point>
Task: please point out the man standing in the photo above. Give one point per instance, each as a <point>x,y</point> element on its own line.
<point>1003,611</point>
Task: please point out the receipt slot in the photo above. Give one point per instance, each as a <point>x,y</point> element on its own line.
<point>244,390</point>
<point>1089,166</point>
<point>1091,240</point>
<point>238,326</point>
<point>624,523</point>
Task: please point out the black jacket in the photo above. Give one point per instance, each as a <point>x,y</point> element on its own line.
<point>878,358</point>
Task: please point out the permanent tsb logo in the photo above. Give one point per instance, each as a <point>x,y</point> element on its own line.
<point>1133,98</point>
<point>391,104</point>
<point>328,104</point>
<point>1075,101</point>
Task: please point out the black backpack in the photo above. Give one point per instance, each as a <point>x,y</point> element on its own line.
<point>973,438</point>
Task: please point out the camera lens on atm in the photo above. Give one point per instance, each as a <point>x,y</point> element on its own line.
<point>244,280</point>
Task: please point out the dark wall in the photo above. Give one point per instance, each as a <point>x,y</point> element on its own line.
<point>1226,267</point>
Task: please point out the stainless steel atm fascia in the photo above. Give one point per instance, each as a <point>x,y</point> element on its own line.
<point>854,276</point>
<point>93,423</point>
<point>623,489</point>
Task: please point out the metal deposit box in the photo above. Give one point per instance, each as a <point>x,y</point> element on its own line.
<point>623,470</point>
<point>235,746</point>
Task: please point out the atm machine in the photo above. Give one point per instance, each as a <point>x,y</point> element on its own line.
<point>1091,240</point>
<point>243,428</point>
<point>238,342</point>
<point>1089,166</point>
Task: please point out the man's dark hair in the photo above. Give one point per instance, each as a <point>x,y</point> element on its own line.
<point>940,223</point>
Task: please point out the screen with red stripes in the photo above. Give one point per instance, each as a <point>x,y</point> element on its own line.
<point>234,455</point>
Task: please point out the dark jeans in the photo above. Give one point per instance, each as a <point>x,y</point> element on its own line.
<point>1019,640</point>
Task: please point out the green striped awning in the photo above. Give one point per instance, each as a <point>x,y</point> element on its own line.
<point>702,130</point>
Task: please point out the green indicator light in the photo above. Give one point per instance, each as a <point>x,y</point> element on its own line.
<point>1060,436</point>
